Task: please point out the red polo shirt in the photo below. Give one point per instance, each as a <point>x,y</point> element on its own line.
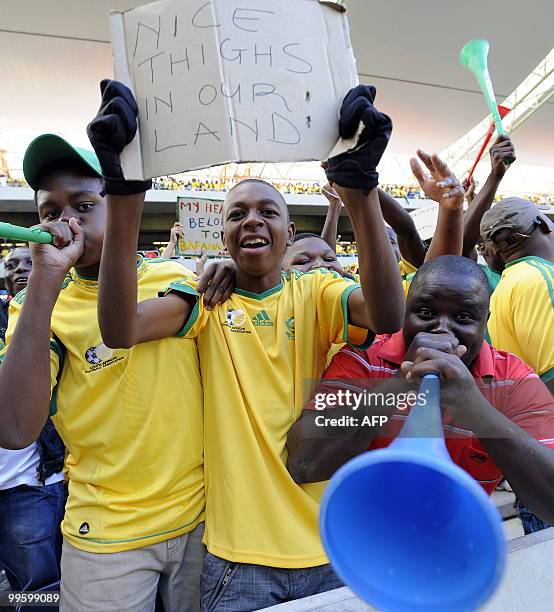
<point>509,385</point>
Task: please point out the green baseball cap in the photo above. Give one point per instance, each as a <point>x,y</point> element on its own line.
<point>46,149</point>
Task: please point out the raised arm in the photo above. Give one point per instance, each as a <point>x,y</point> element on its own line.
<point>354,175</point>
<point>469,186</point>
<point>123,322</point>
<point>440,185</point>
<point>331,225</point>
<point>368,308</point>
<point>501,150</point>
<point>410,244</point>
<point>25,380</point>
<point>176,233</point>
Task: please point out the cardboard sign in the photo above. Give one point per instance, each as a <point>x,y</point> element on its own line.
<point>425,219</point>
<point>232,81</point>
<point>202,221</point>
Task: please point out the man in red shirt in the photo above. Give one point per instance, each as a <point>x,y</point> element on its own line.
<point>498,416</point>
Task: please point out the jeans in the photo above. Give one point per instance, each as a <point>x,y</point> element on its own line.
<point>530,521</point>
<point>30,536</point>
<point>241,587</point>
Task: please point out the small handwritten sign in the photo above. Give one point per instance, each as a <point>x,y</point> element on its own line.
<point>425,219</point>
<point>232,80</point>
<point>202,221</point>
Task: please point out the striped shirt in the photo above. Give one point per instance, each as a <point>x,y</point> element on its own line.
<point>506,381</point>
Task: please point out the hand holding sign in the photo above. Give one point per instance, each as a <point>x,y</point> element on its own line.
<point>177,232</point>
<point>201,221</point>
<point>110,131</point>
<point>357,168</point>
<point>332,196</point>
<point>226,80</point>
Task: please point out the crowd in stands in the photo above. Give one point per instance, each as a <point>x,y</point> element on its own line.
<point>175,183</point>
<point>289,187</point>
<point>149,381</point>
<point>12,182</point>
<point>536,198</point>
<point>314,187</point>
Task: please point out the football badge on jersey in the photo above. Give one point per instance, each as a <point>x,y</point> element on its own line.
<point>97,354</point>
<point>99,357</point>
<point>290,328</point>
<point>235,320</point>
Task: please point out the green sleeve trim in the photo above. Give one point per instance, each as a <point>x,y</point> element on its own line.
<point>344,303</point>
<point>19,298</point>
<point>547,376</point>
<point>193,317</point>
<point>59,349</point>
<point>367,342</point>
<point>180,287</point>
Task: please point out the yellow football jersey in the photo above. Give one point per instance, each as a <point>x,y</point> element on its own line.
<point>405,268</point>
<point>131,421</point>
<point>522,313</point>
<point>260,356</point>
<point>407,272</point>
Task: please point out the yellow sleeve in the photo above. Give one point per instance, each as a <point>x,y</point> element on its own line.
<point>406,267</point>
<point>533,316</point>
<point>406,282</point>
<point>527,313</point>
<point>199,315</point>
<point>57,353</point>
<point>332,310</point>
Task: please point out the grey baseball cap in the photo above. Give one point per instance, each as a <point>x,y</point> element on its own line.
<point>516,214</point>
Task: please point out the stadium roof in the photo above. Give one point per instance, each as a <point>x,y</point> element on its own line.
<point>55,53</point>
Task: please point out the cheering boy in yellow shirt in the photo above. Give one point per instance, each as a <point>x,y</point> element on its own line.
<point>131,420</point>
<point>261,352</point>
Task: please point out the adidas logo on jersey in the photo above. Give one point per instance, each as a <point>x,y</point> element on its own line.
<point>262,320</point>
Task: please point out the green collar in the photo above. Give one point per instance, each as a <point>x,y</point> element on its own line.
<point>260,296</point>
<point>85,281</point>
<point>530,258</point>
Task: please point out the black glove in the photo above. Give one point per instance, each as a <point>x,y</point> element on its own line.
<point>110,131</point>
<point>357,168</point>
